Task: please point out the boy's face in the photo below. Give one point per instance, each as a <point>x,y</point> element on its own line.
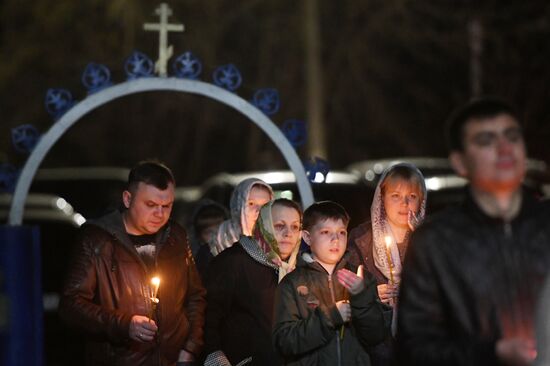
<point>328,240</point>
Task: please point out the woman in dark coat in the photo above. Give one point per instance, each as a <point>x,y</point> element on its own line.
<point>241,284</point>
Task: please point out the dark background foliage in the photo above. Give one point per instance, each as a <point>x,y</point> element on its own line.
<point>392,70</point>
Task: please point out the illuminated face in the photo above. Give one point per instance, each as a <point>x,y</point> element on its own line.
<point>400,197</point>
<point>328,240</point>
<point>494,157</point>
<point>148,208</point>
<point>286,222</point>
<point>257,197</point>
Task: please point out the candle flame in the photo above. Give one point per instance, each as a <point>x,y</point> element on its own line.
<point>388,241</point>
<point>155,281</point>
<point>360,271</point>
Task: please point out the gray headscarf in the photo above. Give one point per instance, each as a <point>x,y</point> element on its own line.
<point>230,230</point>
<point>381,228</point>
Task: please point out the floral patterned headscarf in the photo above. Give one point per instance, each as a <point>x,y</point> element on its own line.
<point>263,246</point>
<point>381,227</point>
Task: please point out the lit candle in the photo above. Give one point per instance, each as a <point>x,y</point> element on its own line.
<point>360,271</point>
<point>388,240</point>
<point>155,281</point>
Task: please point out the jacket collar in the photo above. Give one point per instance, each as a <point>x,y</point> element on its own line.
<point>528,203</point>
<point>306,260</point>
<point>114,225</point>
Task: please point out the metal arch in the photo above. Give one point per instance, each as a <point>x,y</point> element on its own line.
<point>151,84</point>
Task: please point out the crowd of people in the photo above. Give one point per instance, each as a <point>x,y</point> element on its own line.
<point>459,287</point>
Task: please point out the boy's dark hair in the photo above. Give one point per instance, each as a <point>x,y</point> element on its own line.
<point>482,108</point>
<point>289,204</point>
<point>324,210</point>
<point>151,172</point>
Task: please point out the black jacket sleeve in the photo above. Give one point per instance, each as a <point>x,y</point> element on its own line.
<point>194,306</point>
<point>367,315</point>
<point>427,328</point>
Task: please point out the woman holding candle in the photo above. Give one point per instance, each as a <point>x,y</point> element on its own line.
<point>398,207</point>
<point>241,284</point>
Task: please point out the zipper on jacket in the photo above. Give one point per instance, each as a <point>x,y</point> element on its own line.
<point>508,229</point>
<point>338,346</point>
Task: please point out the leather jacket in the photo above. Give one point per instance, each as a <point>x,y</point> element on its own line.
<point>106,286</point>
<point>470,280</point>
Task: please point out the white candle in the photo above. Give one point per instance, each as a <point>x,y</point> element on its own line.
<point>388,240</point>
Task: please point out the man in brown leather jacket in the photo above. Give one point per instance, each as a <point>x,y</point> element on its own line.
<point>109,294</point>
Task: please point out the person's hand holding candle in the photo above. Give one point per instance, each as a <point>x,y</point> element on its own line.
<point>353,282</point>
<point>155,281</point>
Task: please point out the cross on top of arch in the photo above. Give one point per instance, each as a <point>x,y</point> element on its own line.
<point>60,104</point>
<point>163,27</point>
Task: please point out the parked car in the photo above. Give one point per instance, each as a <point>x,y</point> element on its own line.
<point>96,190</point>
<point>91,190</point>
<point>346,188</point>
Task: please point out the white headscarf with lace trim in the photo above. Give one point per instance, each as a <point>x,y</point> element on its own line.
<point>381,228</point>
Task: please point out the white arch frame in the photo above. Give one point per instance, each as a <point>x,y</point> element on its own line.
<point>153,84</point>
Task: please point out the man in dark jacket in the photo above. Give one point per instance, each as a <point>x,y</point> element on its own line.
<point>473,272</point>
<point>109,294</point>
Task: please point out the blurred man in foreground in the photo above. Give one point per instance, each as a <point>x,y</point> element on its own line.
<point>473,272</point>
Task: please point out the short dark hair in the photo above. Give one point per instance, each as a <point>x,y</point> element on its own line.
<point>481,108</point>
<point>208,215</point>
<point>151,172</point>
<point>324,210</point>
<point>289,204</point>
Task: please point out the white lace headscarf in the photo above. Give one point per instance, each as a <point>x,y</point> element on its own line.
<point>230,230</point>
<point>381,227</point>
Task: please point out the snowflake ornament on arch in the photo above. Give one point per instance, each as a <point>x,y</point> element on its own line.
<point>8,177</point>
<point>317,169</point>
<point>138,65</point>
<point>267,100</point>
<point>295,131</point>
<point>187,66</point>
<point>228,77</point>
<point>57,102</point>
<point>96,77</point>
<point>24,138</point>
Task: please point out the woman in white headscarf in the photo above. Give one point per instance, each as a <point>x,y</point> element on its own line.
<point>398,207</point>
<point>246,200</point>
